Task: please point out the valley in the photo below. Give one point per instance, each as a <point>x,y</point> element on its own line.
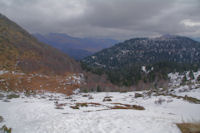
<point>99,66</point>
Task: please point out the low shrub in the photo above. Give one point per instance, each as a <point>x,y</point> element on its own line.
<point>90,97</point>
<point>86,95</point>
<point>159,101</point>
<point>60,106</point>
<point>74,107</point>
<point>1,95</point>
<point>5,129</point>
<point>10,96</point>
<point>137,107</point>
<point>1,119</point>
<point>82,104</point>
<point>107,99</point>
<point>191,99</point>
<point>138,95</point>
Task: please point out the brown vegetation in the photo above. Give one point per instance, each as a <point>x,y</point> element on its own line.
<point>5,129</point>
<point>187,98</point>
<point>189,127</point>
<point>29,83</point>
<point>127,106</point>
<point>19,51</point>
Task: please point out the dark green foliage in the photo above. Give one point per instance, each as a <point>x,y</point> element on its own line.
<point>122,63</point>
<point>99,89</point>
<point>198,78</point>
<point>85,90</point>
<point>10,96</point>
<point>144,51</point>
<point>126,76</point>
<point>191,75</point>
<point>96,70</point>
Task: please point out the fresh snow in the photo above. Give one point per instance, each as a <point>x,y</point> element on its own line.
<point>37,114</point>
<point>52,112</point>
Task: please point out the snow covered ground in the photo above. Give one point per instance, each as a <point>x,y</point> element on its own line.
<point>52,113</point>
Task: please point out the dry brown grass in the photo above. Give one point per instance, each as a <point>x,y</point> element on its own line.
<point>31,83</point>
<point>187,98</point>
<point>189,127</point>
<point>96,104</point>
<point>74,107</point>
<point>78,105</point>
<point>127,106</point>
<point>88,104</point>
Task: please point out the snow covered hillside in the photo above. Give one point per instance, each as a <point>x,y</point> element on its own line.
<point>56,113</point>
<point>148,111</point>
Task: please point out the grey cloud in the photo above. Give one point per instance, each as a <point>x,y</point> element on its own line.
<point>119,19</point>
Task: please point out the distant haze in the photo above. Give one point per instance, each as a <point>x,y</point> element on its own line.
<point>116,19</point>
<point>78,48</point>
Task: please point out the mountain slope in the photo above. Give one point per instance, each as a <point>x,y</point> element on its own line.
<point>144,51</point>
<point>145,59</point>
<point>21,51</point>
<point>197,39</point>
<point>77,48</point>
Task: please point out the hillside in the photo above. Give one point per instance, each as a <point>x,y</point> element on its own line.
<point>149,111</point>
<point>146,51</point>
<point>27,65</point>
<point>22,52</point>
<point>77,48</point>
<point>161,55</point>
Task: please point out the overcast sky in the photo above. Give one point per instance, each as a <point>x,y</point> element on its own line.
<point>118,19</point>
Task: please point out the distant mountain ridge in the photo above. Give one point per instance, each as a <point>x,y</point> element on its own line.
<point>20,51</point>
<point>77,48</point>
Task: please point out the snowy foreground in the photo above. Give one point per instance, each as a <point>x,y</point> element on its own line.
<point>53,113</point>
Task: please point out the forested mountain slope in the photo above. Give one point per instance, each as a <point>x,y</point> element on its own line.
<point>124,61</point>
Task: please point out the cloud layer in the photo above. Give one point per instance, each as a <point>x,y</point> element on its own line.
<point>119,19</point>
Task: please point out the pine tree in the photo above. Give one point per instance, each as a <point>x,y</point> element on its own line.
<point>198,78</point>
<point>184,80</point>
<point>98,88</point>
<point>191,75</point>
